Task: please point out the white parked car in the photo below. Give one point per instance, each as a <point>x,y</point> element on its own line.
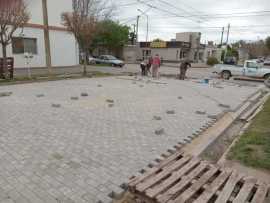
<point>251,69</point>
<point>91,60</point>
<point>267,62</point>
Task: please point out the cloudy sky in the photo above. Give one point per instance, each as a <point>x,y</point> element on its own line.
<point>249,19</point>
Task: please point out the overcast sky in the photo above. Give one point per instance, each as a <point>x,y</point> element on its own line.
<point>249,19</point>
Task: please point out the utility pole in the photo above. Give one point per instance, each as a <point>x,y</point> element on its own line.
<point>227,41</point>
<point>46,36</point>
<point>228,33</point>
<point>147,33</point>
<point>137,28</point>
<point>222,34</point>
<point>134,33</point>
<point>147,28</point>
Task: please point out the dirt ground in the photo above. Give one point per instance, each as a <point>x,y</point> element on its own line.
<point>127,198</point>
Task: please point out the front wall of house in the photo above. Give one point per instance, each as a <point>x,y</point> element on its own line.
<point>168,54</point>
<point>35,10</point>
<point>55,10</point>
<point>38,59</point>
<point>63,49</point>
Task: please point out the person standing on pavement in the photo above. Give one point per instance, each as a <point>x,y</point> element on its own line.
<point>144,67</point>
<point>183,68</point>
<point>149,65</point>
<point>155,66</point>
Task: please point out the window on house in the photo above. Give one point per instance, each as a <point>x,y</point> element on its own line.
<point>195,55</point>
<point>200,56</point>
<point>22,45</point>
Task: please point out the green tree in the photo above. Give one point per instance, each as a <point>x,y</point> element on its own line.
<point>132,37</point>
<point>112,35</point>
<point>232,52</point>
<point>267,42</point>
<point>211,61</point>
<point>158,40</point>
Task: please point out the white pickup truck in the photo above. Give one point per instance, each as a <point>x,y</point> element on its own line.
<point>250,69</point>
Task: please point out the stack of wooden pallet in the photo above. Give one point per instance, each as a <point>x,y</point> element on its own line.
<point>181,178</point>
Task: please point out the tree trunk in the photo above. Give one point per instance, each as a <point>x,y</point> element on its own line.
<point>85,64</point>
<point>4,67</point>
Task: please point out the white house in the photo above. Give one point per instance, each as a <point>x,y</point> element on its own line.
<point>30,39</point>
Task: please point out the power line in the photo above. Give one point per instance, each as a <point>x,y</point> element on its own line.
<point>173,6</point>
<point>227,15</point>
<point>129,20</point>
<point>125,5</point>
<point>164,10</point>
<point>181,9</point>
<point>205,27</point>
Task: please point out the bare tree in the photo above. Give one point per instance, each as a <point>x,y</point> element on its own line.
<point>256,49</point>
<point>267,42</point>
<point>13,15</point>
<point>83,22</point>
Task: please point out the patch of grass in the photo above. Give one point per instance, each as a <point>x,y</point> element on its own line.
<point>253,148</point>
<point>54,77</point>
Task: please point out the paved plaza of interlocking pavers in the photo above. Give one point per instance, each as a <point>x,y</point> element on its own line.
<point>59,145</point>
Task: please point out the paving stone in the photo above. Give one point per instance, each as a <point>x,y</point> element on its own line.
<point>170,112</point>
<point>74,98</point>
<point>111,105</point>
<point>40,95</point>
<point>84,94</point>
<point>56,105</point>
<point>224,106</point>
<point>157,118</point>
<point>110,101</point>
<point>5,94</point>
<point>213,116</point>
<point>160,131</point>
<point>200,112</point>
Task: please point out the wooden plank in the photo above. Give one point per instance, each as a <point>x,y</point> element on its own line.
<point>179,186</point>
<point>155,169</point>
<point>213,188</point>
<point>261,193</point>
<point>229,187</point>
<point>245,190</point>
<point>152,192</point>
<point>141,187</point>
<point>197,185</point>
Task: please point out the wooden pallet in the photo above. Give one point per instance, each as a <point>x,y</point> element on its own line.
<point>181,179</point>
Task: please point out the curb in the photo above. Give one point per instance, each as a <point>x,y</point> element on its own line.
<point>249,115</point>
<point>210,135</point>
